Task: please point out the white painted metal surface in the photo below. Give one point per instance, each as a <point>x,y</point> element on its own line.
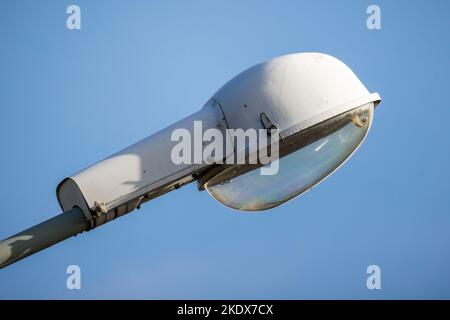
<point>291,93</point>
<point>295,91</point>
<point>118,184</point>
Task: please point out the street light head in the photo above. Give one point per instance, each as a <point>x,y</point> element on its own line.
<point>285,125</point>
<point>321,112</point>
<point>310,107</point>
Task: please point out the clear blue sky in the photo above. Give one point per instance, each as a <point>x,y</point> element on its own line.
<point>71,98</point>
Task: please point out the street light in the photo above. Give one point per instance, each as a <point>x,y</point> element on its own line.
<point>314,104</point>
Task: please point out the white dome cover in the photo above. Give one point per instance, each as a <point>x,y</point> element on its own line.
<point>295,91</point>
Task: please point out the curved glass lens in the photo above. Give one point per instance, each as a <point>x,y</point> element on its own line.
<point>334,141</point>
